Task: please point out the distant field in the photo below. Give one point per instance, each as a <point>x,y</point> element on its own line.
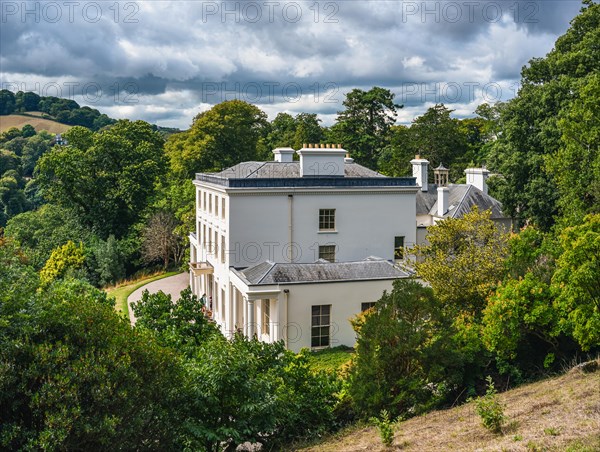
<point>6,122</point>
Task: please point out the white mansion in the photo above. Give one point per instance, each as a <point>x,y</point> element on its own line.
<point>291,250</point>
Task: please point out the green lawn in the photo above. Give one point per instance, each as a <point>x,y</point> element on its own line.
<point>122,292</point>
<point>330,359</point>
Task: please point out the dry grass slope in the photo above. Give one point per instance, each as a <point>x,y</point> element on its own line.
<point>558,414</point>
<point>6,122</point>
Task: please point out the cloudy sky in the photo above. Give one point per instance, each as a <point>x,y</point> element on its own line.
<point>164,62</point>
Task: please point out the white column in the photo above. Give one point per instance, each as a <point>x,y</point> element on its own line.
<point>274,330</point>
<point>234,300</point>
<point>251,319</point>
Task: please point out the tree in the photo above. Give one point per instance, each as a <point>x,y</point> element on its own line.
<point>363,127</point>
<point>181,325</point>
<point>577,282</point>
<point>108,262</point>
<point>108,177</point>
<point>160,242</point>
<point>226,134</point>
<point>517,310</point>
<point>463,261</point>
<point>39,232</point>
<point>27,131</point>
<point>576,165</point>
<point>248,390</point>
<point>531,134</point>
<point>33,150</point>
<point>404,356</point>
<point>75,375</point>
<point>7,102</point>
<point>27,101</point>
<point>12,198</point>
<point>282,131</point>
<point>9,134</point>
<point>63,261</point>
<point>308,130</point>
<point>437,137</point>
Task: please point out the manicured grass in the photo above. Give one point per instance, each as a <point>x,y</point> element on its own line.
<point>331,359</point>
<point>122,291</point>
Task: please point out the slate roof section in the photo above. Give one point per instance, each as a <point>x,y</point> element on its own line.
<point>462,197</point>
<point>267,175</point>
<point>278,170</point>
<point>269,273</point>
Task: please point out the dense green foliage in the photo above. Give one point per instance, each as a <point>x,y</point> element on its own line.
<point>225,135</point>
<point>438,138</point>
<point>19,152</point>
<point>241,390</point>
<point>463,260</point>
<point>404,354</point>
<point>363,127</point>
<point>73,374</point>
<point>107,177</point>
<point>548,148</point>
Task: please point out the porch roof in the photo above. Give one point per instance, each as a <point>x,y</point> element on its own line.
<point>270,273</point>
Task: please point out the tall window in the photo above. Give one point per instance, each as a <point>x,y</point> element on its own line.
<point>327,252</point>
<point>204,237</point>
<point>209,203</point>
<point>266,317</point>
<point>320,326</point>
<point>326,219</point>
<point>204,200</point>
<point>398,248</point>
<point>199,199</point>
<point>215,213</point>
<point>223,249</point>
<point>223,208</point>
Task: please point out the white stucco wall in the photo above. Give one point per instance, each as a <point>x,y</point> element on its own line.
<point>345,299</point>
<point>366,224</point>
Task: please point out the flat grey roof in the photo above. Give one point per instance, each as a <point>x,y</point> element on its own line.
<point>270,273</point>
<point>280,174</point>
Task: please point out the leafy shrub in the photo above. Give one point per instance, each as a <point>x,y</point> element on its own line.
<point>385,426</point>
<point>489,409</point>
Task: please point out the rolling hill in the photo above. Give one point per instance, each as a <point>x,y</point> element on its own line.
<point>35,120</point>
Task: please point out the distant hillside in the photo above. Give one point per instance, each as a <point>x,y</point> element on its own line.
<point>35,120</point>
<point>65,111</point>
<point>558,414</point>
